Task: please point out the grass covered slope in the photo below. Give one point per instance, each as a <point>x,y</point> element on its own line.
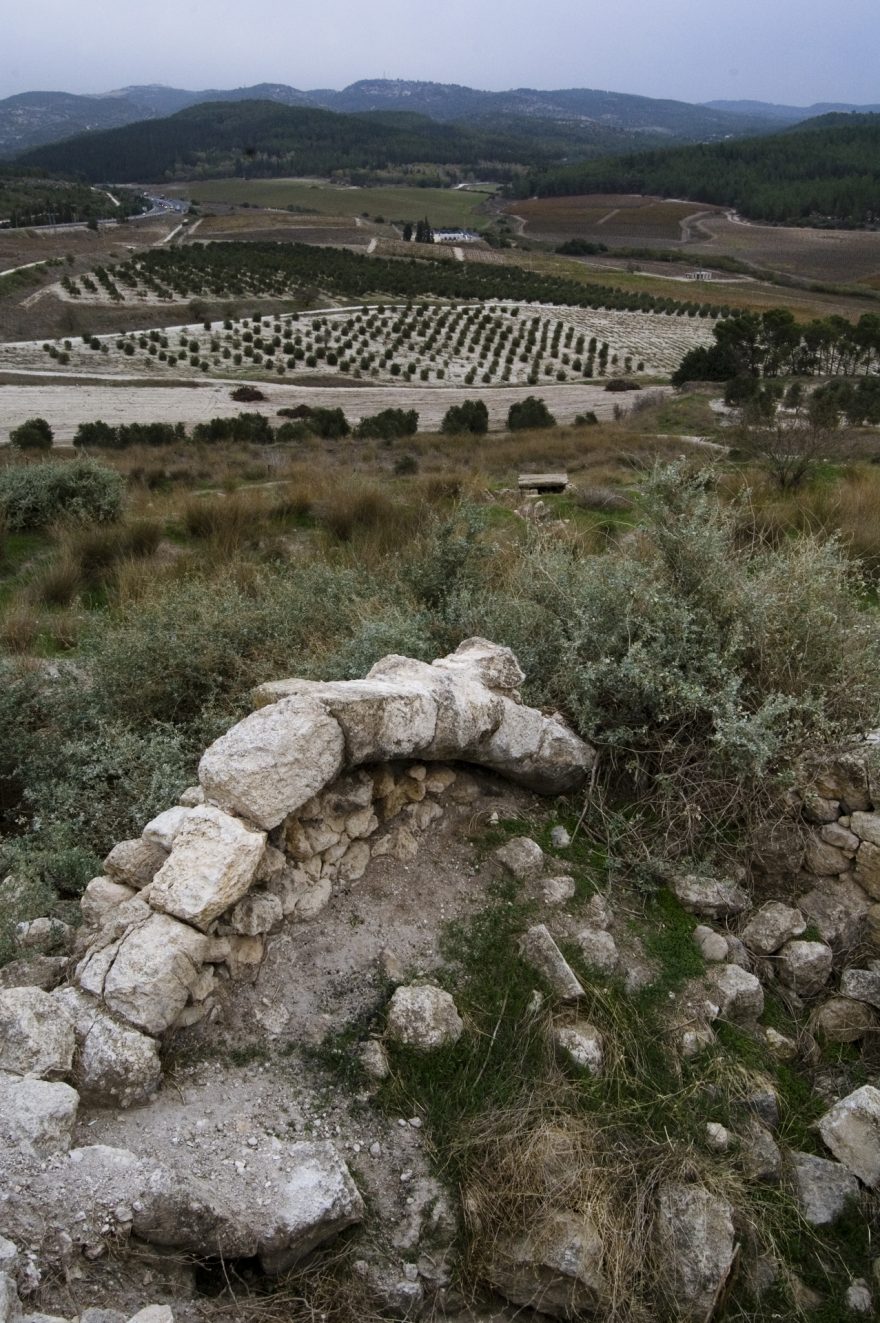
<point>824,172</point>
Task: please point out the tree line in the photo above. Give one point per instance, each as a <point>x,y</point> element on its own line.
<point>221,270</point>
<point>773,344</point>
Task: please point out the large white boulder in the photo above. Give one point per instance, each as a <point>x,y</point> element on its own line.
<point>272,762</point>
<point>114,1063</point>
<point>212,864</point>
<point>36,1034</point>
<point>36,1116</point>
<point>424,1017</point>
<point>851,1130</point>
<point>146,976</point>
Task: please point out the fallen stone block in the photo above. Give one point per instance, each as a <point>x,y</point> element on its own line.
<point>36,1035</point>
<point>541,952</point>
<point>114,1063</point>
<point>424,1017</point>
<point>555,1268</point>
<point>851,1130</point>
<point>825,1189</point>
<point>37,1116</point>
<point>695,1243</point>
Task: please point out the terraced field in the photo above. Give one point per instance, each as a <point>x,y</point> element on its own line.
<point>438,345</point>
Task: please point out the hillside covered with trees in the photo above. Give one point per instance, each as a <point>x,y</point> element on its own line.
<point>824,172</point>
<point>262,139</point>
<point>28,197</point>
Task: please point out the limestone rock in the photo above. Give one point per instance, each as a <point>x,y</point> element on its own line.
<point>374,1059</point>
<point>582,1043</point>
<point>805,967</point>
<point>866,826</point>
<point>150,973</point>
<point>102,895</point>
<point>544,956</point>
<point>840,1020</point>
<point>36,1116</point>
<point>867,868</point>
<point>712,898</point>
<point>302,897</point>
<point>695,1240</point>
<point>153,1314</point>
<point>834,833</point>
<point>771,927</point>
<point>858,1297</point>
<point>717,1137</point>
<point>191,797</point>
<point>838,909</point>
<point>557,890</point>
<point>599,949</point>
<point>36,1035</point>
<point>522,858</point>
<point>9,1255</point>
<point>45,934</point>
<point>862,985</point>
<point>559,838</point>
<point>212,865</point>
<point>163,829</point>
<point>825,860</point>
<point>273,761</point>
<point>353,863</point>
<point>712,946</point>
<point>423,1017</point>
<point>258,913</point>
<point>554,1268</point>
<point>824,1188</point>
<point>760,1158</point>
<point>134,863</point>
<point>34,971</point>
<point>313,1199</point>
<point>10,1305</point>
<point>782,1047</point>
<point>819,810</point>
<point>114,1063</point>
<point>851,1130</point>
<point>738,993</point>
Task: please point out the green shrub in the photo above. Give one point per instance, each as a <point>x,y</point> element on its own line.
<point>35,434</point>
<point>528,414</point>
<point>328,424</point>
<point>469,416</point>
<point>701,667</point>
<point>389,424</point>
<point>36,495</point>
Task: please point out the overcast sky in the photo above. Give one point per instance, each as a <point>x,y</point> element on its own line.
<point>795,51</point>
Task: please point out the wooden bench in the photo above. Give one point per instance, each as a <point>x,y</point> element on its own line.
<point>543,482</point>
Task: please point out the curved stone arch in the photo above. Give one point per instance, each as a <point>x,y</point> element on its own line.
<point>153,941</point>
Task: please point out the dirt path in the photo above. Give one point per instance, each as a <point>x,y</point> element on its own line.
<point>25,266</point>
<point>66,404</point>
<point>611,214</point>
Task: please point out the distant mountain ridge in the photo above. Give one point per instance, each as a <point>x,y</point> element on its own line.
<point>789,114</point>
<point>32,119</point>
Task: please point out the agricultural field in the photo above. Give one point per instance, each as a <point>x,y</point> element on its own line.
<point>442,206</point>
<point>845,257</point>
<point>610,218</point>
<point>291,227</point>
<point>437,344</point>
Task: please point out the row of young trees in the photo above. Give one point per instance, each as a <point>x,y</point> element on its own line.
<point>225,270</point>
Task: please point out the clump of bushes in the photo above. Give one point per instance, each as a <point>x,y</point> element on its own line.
<point>247,395</point>
<point>389,425</point>
<point>529,415</point>
<point>36,495</point>
<point>34,434</point>
<point>470,416</point>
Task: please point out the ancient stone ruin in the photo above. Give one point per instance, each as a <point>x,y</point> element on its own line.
<point>321,783</point>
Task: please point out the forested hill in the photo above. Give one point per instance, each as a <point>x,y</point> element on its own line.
<point>823,172</point>
<point>262,139</point>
